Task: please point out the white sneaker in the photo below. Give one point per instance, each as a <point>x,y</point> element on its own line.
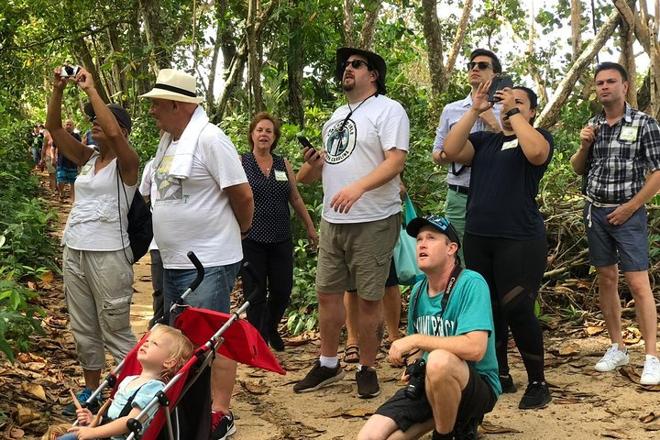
<point>612,359</point>
<point>651,372</point>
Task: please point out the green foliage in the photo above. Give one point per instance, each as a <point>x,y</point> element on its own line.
<point>26,249</point>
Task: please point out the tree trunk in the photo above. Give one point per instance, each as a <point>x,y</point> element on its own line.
<point>369,25</point>
<point>237,64</point>
<point>458,42</point>
<point>550,113</point>
<point>576,28</point>
<point>118,79</point>
<point>349,25</point>
<point>150,11</point>
<point>254,61</point>
<point>433,37</point>
<point>295,65</point>
<point>627,58</point>
<point>80,48</point>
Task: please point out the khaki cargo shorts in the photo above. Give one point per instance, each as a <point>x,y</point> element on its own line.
<point>356,256</point>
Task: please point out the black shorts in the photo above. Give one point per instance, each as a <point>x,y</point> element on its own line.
<point>477,399</point>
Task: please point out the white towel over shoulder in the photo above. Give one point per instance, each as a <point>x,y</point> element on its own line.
<point>183,157</point>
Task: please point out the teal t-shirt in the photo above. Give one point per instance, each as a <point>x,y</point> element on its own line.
<point>468,309</point>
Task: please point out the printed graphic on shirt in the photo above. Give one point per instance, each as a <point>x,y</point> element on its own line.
<point>340,143</point>
<point>169,188</point>
<point>433,325</point>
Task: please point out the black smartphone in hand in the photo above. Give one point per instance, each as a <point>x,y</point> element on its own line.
<point>304,142</point>
<point>499,82</point>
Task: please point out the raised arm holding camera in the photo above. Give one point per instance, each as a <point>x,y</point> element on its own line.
<point>98,277</point>
<point>505,238</point>
<point>453,381</point>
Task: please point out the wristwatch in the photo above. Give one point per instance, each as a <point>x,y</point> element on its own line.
<point>513,111</point>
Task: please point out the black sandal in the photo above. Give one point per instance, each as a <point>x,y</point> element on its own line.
<point>352,354</point>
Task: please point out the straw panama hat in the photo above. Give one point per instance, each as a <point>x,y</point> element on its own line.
<point>176,86</point>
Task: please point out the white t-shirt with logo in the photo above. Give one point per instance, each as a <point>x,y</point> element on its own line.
<point>194,214</point>
<point>378,125</point>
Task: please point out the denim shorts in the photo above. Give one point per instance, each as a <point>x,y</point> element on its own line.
<point>625,244</point>
<point>213,292</point>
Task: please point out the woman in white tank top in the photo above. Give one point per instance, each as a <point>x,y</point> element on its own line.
<point>98,276</point>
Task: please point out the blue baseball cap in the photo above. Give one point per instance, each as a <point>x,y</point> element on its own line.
<point>437,222</point>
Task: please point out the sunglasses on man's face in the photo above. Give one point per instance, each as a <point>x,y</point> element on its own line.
<point>355,64</point>
<point>482,65</point>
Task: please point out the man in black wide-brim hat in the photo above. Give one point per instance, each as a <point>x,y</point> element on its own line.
<point>365,144</point>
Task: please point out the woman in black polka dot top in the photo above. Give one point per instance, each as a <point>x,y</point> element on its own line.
<point>268,245</point>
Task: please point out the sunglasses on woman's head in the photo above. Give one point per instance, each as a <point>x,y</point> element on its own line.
<point>482,65</point>
<point>355,64</point>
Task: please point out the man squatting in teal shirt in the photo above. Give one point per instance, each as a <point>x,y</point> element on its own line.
<point>450,328</point>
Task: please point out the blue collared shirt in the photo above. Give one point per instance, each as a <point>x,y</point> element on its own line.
<point>450,116</point>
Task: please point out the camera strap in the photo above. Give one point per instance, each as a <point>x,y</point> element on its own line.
<point>455,273</point>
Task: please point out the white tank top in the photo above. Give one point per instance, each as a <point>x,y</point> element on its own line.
<point>93,223</point>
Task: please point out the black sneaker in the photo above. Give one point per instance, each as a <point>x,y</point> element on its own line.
<point>222,426</point>
<point>318,377</point>
<point>276,341</point>
<point>367,382</point>
<point>70,409</point>
<point>537,395</point>
<point>467,431</point>
<point>507,384</point>
<point>438,436</point>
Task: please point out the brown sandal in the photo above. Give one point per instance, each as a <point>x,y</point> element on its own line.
<point>352,354</point>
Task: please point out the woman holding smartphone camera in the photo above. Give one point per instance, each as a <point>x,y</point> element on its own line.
<point>98,275</point>
<point>267,246</point>
<point>505,237</point>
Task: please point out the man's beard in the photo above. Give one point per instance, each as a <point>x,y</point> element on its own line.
<point>347,86</point>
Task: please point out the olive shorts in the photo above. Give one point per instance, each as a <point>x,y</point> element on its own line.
<point>356,256</point>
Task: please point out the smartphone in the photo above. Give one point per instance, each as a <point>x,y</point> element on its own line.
<point>499,82</point>
<point>304,142</point>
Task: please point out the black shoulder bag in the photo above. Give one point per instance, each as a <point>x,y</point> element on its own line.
<point>140,230</point>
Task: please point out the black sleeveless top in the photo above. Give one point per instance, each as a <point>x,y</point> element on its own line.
<point>271,222</point>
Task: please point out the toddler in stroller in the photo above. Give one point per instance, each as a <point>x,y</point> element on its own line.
<point>164,352</point>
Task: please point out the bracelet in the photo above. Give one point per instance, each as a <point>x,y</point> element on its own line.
<point>513,111</point>
<point>247,231</point>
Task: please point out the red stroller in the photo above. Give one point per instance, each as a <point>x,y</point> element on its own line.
<point>184,405</point>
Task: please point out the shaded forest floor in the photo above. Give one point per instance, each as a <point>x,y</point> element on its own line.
<point>586,404</point>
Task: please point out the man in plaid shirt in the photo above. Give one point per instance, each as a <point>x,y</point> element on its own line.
<point>620,155</point>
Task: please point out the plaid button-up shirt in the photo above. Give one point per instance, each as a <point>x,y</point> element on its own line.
<point>621,156</point>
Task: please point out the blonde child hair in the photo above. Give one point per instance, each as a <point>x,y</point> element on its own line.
<point>181,348</point>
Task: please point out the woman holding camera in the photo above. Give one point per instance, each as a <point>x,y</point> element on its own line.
<point>505,235</point>
<point>268,246</point>
<point>98,275</point>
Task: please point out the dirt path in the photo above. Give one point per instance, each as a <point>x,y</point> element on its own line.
<point>586,405</point>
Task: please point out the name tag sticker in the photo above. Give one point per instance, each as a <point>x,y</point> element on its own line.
<point>280,176</point>
<point>628,134</point>
<point>510,144</point>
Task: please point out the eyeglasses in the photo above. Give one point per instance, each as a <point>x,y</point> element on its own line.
<point>482,65</point>
<point>355,64</point>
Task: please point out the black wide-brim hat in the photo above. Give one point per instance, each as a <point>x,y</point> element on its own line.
<point>375,62</point>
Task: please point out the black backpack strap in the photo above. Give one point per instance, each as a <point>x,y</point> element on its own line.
<point>129,404</point>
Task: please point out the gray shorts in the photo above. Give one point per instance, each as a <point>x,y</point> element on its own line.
<point>625,244</point>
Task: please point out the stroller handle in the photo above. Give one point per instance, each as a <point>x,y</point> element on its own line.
<point>198,266</point>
